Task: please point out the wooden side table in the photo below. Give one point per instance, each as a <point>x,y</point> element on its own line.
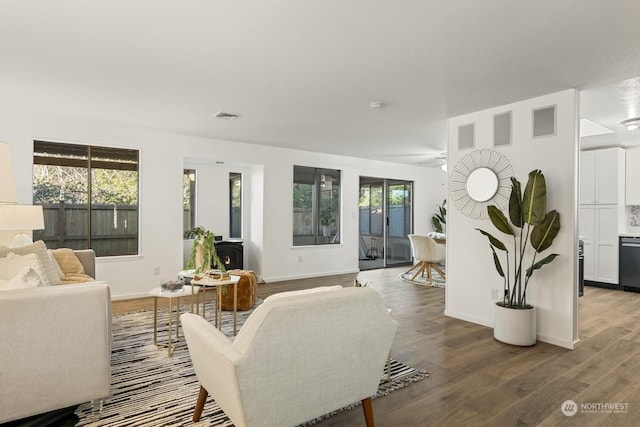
<point>158,293</point>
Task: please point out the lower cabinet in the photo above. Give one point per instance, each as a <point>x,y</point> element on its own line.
<point>598,228</point>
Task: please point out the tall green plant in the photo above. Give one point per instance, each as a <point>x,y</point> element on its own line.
<point>527,215</point>
<point>204,239</point>
<point>439,219</point>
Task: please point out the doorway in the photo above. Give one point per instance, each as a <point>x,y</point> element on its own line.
<point>385,221</point>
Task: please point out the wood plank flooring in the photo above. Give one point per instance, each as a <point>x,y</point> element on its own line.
<point>477,381</point>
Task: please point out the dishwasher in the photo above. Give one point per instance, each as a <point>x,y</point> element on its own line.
<point>630,262</point>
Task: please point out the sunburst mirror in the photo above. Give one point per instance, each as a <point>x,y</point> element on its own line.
<point>481,178</point>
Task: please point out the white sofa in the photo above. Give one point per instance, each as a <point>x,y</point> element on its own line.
<point>298,356</point>
<point>56,346</point>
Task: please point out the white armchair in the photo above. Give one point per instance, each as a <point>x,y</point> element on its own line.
<point>299,355</point>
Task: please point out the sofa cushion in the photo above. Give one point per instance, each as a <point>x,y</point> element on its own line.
<point>13,264</point>
<point>26,278</point>
<point>40,249</point>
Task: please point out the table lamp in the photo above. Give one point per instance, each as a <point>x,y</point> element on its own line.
<point>15,217</point>
<point>7,184</point>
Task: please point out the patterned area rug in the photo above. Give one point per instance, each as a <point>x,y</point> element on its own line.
<point>150,389</point>
<point>438,281</point>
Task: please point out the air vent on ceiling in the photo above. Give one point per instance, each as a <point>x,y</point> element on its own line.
<point>226,116</point>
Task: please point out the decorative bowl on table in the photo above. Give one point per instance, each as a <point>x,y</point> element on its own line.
<point>171,285</point>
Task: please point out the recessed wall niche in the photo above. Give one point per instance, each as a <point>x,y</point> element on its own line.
<point>544,122</point>
<point>502,129</point>
<point>466,137</point>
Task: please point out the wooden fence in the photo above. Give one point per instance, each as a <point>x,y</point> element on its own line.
<point>114,228</point>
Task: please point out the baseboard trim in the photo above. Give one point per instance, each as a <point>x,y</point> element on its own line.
<point>489,323</point>
<point>467,318</point>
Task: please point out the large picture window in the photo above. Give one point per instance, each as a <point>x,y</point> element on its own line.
<point>316,206</point>
<point>89,196</point>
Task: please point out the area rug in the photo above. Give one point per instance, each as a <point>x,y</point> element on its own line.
<point>438,281</point>
<point>150,389</point>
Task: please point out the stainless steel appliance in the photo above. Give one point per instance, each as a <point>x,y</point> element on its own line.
<point>580,268</point>
<point>630,262</point>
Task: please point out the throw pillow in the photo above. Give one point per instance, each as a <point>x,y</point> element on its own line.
<point>26,278</point>
<point>12,265</point>
<point>77,278</point>
<point>57,266</point>
<point>40,249</point>
<point>68,261</point>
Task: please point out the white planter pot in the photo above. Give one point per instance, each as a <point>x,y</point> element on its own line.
<point>515,327</point>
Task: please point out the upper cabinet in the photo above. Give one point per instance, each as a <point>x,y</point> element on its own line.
<point>602,176</point>
<point>587,177</point>
<point>633,177</point>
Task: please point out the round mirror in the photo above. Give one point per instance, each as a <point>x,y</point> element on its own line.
<point>482,184</point>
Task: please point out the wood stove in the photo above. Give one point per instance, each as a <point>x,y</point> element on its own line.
<point>231,254</point>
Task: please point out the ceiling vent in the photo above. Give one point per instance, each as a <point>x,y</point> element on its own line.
<point>226,116</point>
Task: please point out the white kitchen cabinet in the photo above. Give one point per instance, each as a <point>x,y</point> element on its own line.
<point>587,177</point>
<point>586,231</point>
<point>602,177</point>
<point>598,228</point>
<point>633,177</point>
<point>602,196</point>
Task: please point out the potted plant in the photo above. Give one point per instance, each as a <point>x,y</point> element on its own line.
<point>326,221</point>
<point>515,319</point>
<point>439,219</point>
<point>203,251</point>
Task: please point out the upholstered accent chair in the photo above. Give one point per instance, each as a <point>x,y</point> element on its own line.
<point>428,254</point>
<point>299,355</point>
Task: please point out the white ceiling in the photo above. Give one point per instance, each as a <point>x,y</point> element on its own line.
<point>302,73</point>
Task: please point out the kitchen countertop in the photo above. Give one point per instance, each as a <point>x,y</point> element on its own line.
<point>630,234</point>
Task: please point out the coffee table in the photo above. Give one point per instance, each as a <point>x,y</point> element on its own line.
<point>207,283</point>
<point>158,293</point>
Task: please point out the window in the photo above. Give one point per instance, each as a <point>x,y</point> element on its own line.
<point>188,199</point>
<point>235,205</point>
<point>316,206</point>
<point>89,197</point>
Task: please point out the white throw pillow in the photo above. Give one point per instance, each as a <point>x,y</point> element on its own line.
<point>57,266</point>
<point>13,264</point>
<point>46,259</point>
<point>26,278</point>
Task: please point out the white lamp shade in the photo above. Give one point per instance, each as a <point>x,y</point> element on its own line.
<point>21,217</point>
<point>7,183</point>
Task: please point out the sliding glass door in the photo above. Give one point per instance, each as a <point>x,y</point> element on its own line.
<point>386,218</point>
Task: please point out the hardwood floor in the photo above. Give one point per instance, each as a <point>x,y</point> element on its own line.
<point>477,381</point>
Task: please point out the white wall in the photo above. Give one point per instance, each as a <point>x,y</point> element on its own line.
<point>268,242</point>
<point>471,274</point>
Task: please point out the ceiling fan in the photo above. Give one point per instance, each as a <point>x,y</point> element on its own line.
<point>434,160</point>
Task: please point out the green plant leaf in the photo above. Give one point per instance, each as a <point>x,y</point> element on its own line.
<point>497,263</point>
<point>538,265</point>
<point>437,227</point>
<point>534,199</point>
<point>543,234</point>
<point>515,203</point>
<point>494,242</point>
<point>499,220</point>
